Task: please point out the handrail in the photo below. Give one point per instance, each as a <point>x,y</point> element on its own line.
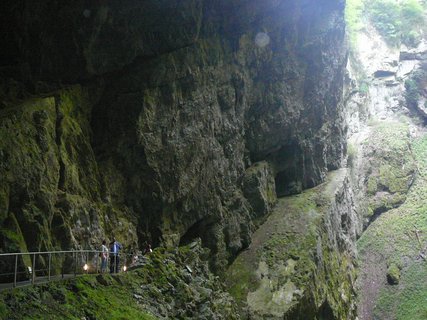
<point>86,260</point>
<point>47,252</point>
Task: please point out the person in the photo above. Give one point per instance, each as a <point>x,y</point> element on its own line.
<point>115,248</point>
<point>148,249</point>
<point>112,258</point>
<point>104,256</point>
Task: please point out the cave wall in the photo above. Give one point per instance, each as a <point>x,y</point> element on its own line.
<point>163,120</point>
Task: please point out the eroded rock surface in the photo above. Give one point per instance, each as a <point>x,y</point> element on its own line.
<point>300,263</point>
<point>172,105</point>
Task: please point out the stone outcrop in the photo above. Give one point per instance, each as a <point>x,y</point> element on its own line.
<point>148,120</point>
<point>301,262</point>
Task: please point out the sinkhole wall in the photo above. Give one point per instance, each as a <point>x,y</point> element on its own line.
<point>163,121</point>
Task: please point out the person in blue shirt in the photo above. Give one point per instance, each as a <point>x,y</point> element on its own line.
<point>115,248</point>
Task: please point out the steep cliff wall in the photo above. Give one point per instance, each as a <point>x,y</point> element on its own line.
<point>163,120</point>
<point>301,262</point>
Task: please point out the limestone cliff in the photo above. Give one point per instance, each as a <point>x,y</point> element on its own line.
<point>163,120</point>
<point>301,262</point>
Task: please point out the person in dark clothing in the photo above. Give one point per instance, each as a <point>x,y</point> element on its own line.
<point>148,249</point>
<point>115,248</point>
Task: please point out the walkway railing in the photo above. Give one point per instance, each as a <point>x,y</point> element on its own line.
<point>34,267</point>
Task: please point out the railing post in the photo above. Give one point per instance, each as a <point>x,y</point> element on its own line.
<point>75,262</point>
<point>16,271</point>
<point>34,269</point>
<point>62,265</point>
<point>96,261</point>
<point>115,262</point>
<point>48,272</point>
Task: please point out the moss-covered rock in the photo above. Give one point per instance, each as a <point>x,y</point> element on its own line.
<point>156,133</point>
<point>300,261</point>
<point>391,249</point>
<point>393,274</point>
<point>389,166</point>
<point>259,188</point>
<point>169,285</point>
<point>51,197</point>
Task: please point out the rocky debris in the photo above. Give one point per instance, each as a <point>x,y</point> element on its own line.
<point>406,67</point>
<point>161,289</point>
<point>393,274</point>
<point>387,68</point>
<point>418,53</point>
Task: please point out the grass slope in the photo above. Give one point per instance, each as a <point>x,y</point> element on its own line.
<point>398,237</point>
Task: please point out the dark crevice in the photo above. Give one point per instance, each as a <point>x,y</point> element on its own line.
<point>194,232</point>
<point>377,213</point>
<point>58,136</point>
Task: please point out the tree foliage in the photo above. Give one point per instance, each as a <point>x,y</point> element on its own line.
<point>397,21</point>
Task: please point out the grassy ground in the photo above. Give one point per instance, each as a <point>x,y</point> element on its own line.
<point>397,238</point>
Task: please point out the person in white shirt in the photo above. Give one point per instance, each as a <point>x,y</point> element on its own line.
<point>104,256</point>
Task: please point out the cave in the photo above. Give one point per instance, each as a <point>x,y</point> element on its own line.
<point>272,153</point>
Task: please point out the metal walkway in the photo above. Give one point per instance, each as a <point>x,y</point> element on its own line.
<point>29,268</point>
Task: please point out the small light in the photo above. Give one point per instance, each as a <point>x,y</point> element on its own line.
<point>124,268</point>
<point>86,267</point>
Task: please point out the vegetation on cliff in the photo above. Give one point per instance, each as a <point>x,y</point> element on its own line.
<point>392,248</point>
<point>174,284</point>
<point>299,265</point>
<point>396,21</point>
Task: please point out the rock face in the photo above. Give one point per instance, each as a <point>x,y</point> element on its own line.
<point>163,120</point>
<point>388,174</point>
<point>300,264</point>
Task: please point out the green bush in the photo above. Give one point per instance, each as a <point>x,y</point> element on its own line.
<point>353,17</point>
<point>364,87</point>
<point>397,22</point>
<point>351,155</point>
<point>413,21</point>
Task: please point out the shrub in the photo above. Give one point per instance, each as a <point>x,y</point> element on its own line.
<point>397,22</point>
<point>353,17</point>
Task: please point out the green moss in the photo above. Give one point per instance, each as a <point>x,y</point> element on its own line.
<point>398,237</point>
<point>113,302</point>
<point>3,311</point>
<point>406,301</point>
<point>372,185</point>
<point>13,235</point>
<point>393,274</point>
<point>80,170</point>
<point>162,288</point>
<point>391,163</point>
<point>353,18</point>
<point>4,203</point>
<point>351,155</point>
<point>281,260</point>
<point>244,280</point>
